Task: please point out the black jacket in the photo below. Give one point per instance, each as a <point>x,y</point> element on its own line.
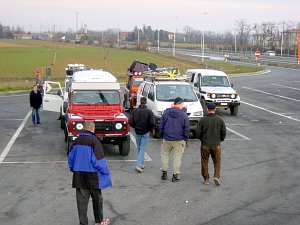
<point>35,99</point>
<point>142,120</point>
<point>211,130</point>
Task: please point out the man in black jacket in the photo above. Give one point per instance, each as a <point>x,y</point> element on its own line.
<point>211,131</point>
<point>142,120</point>
<point>36,100</point>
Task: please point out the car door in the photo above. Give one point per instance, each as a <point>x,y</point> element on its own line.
<point>53,96</point>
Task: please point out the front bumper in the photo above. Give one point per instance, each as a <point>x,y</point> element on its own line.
<point>114,139</point>
<point>224,104</point>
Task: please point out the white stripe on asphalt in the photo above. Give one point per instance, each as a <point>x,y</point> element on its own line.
<point>267,93</point>
<point>279,85</point>
<point>146,157</point>
<point>238,134</point>
<point>279,114</point>
<point>7,96</point>
<point>14,137</point>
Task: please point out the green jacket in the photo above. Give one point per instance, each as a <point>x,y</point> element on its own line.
<point>211,130</point>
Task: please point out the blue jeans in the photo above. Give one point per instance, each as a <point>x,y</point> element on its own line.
<point>141,143</point>
<point>35,116</point>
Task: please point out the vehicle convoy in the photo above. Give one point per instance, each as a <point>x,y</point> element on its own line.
<point>134,79</point>
<point>161,89</point>
<point>214,86</point>
<point>93,95</point>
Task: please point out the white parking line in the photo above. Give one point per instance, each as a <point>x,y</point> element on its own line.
<point>279,114</point>
<point>238,134</point>
<point>14,137</point>
<point>146,157</point>
<point>279,85</point>
<point>267,93</point>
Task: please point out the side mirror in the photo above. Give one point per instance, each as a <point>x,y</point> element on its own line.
<point>198,95</point>
<point>195,84</point>
<point>150,96</point>
<point>231,85</point>
<point>59,93</point>
<point>65,106</point>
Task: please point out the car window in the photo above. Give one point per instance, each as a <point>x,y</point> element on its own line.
<point>168,92</point>
<point>96,97</point>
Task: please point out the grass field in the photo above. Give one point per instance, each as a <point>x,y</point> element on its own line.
<point>20,58</point>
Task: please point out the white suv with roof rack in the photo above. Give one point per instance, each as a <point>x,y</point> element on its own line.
<point>161,91</point>
<point>214,86</point>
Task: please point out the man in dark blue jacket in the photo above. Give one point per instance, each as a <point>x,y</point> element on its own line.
<point>36,100</point>
<point>175,128</point>
<point>90,173</point>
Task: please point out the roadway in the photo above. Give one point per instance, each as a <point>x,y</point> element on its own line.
<point>260,178</point>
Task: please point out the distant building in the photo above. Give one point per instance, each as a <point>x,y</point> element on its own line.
<point>23,36</point>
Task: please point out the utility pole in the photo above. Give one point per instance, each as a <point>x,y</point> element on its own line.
<point>76,22</point>
<point>281,46</point>
<point>174,43</point>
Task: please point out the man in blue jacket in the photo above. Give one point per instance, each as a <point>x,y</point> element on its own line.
<point>90,173</point>
<point>175,128</point>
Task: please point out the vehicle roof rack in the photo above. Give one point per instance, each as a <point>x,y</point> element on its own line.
<point>167,76</point>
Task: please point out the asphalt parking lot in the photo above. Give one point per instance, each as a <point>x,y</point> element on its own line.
<point>259,175</point>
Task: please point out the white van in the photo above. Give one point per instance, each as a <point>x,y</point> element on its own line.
<point>161,93</point>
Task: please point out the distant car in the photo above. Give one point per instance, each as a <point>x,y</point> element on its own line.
<point>270,53</point>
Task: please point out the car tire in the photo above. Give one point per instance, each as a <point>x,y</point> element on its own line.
<point>69,145</point>
<point>156,134</point>
<point>204,107</point>
<point>234,110</point>
<point>124,148</point>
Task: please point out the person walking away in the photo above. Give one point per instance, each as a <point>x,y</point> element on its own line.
<point>142,120</point>
<point>174,128</point>
<point>35,99</point>
<point>211,131</point>
<point>90,173</point>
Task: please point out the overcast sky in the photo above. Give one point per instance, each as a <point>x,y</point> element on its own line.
<point>213,15</point>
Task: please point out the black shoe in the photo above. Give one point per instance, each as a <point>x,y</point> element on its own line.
<point>175,178</point>
<point>164,175</point>
<point>38,123</point>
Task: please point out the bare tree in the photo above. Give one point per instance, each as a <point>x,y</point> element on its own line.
<point>243,30</point>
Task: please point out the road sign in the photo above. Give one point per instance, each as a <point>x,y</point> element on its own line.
<point>257,54</point>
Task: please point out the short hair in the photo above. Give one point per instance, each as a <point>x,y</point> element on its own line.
<point>143,100</point>
<point>89,124</point>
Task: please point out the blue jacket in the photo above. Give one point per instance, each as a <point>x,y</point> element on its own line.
<point>174,125</point>
<point>88,164</point>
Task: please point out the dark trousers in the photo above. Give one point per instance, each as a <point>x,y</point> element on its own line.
<point>215,152</point>
<point>82,197</point>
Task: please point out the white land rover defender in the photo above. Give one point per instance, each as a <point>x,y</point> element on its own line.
<point>214,86</point>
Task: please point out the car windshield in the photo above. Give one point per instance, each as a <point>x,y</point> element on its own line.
<point>215,81</point>
<point>168,92</point>
<point>96,97</point>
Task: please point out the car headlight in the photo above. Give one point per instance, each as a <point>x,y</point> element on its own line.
<point>79,126</point>
<point>159,113</point>
<point>232,95</point>
<point>213,95</point>
<point>199,113</point>
<point>118,126</point>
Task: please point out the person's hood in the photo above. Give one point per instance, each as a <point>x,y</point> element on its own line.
<point>174,112</point>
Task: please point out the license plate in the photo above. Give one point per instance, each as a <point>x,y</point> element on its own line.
<point>223,103</point>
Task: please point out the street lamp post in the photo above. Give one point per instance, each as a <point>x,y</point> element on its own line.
<point>202,45</point>
<point>158,40</point>
<point>281,45</point>
<point>174,43</point>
